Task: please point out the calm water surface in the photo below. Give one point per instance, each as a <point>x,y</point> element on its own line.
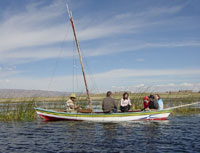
<point>178,134</point>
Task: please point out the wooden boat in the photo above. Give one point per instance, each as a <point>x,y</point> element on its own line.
<point>52,115</point>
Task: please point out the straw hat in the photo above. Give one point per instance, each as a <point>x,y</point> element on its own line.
<point>73,95</point>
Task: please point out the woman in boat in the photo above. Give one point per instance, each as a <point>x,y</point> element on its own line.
<point>125,103</point>
<point>159,101</point>
<point>71,104</point>
<point>152,103</point>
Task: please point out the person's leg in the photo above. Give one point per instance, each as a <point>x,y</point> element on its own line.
<point>114,110</point>
<point>129,107</point>
<point>125,109</point>
<point>122,109</point>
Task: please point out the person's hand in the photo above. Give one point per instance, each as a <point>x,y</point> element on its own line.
<point>147,109</point>
<point>71,107</point>
<point>78,107</point>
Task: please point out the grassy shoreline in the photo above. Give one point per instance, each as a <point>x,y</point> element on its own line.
<point>98,97</point>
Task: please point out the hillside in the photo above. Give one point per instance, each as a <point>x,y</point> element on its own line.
<point>19,93</point>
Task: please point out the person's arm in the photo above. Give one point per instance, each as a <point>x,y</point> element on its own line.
<point>68,104</point>
<point>145,106</point>
<point>115,104</point>
<point>161,105</point>
<point>129,101</point>
<point>76,106</point>
<point>72,106</point>
<point>156,106</point>
<point>147,109</point>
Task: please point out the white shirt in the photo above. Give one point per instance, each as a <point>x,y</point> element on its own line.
<point>125,102</point>
<point>70,106</point>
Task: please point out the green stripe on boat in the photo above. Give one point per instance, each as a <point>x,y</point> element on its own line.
<point>51,112</point>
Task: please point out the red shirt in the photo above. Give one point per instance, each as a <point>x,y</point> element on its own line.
<point>146,104</point>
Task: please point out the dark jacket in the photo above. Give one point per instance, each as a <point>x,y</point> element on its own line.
<point>108,105</point>
<point>153,105</point>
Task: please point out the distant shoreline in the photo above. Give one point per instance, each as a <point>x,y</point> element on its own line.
<point>99,97</point>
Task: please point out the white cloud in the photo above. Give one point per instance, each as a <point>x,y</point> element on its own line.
<point>159,87</point>
<point>36,54</point>
<point>30,28</point>
<point>160,11</point>
<point>122,73</point>
<point>4,81</point>
<point>37,26</point>
<point>185,84</point>
<point>118,47</point>
<point>169,85</point>
<point>6,72</point>
<point>140,85</point>
<point>121,79</point>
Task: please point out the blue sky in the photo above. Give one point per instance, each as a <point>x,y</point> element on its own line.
<point>127,45</point>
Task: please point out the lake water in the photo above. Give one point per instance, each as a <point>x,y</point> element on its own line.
<point>178,134</point>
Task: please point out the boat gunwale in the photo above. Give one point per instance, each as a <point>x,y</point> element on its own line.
<point>124,114</point>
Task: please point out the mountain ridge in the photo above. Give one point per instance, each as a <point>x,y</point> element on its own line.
<point>21,93</point>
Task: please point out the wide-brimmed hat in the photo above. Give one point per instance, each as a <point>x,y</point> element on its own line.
<point>73,95</point>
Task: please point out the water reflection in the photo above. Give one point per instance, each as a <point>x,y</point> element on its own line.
<point>109,130</point>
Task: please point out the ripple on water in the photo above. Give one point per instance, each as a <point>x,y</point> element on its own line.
<point>179,134</point>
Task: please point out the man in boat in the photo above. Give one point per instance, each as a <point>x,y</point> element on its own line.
<point>152,103</point>
<point>71,104</point>
<point>109,105</point>
<point>159,101</point>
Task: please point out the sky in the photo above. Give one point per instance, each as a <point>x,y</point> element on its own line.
<point>138,45</point>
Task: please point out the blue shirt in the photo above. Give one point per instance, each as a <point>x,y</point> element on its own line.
<point>160,103</point>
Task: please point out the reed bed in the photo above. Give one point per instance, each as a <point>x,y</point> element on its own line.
<point>24,110</point>
<point>186,111</point>
<point>19,112</point>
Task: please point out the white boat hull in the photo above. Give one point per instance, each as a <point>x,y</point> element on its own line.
<point>49,115</point>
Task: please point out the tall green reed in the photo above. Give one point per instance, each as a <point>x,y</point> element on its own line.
<point>18,112</point>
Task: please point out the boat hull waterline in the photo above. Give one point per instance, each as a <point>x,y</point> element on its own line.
<point>51,115</point>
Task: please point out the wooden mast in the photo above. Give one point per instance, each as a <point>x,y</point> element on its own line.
<point>80,57</point>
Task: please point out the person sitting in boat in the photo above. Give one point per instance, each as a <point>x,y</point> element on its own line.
<point>125,103</point>
<point>146,103</point>
<point>108,104</point>
<point>152,103</point>
<point>71,104</point>
<point>159,101</point>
